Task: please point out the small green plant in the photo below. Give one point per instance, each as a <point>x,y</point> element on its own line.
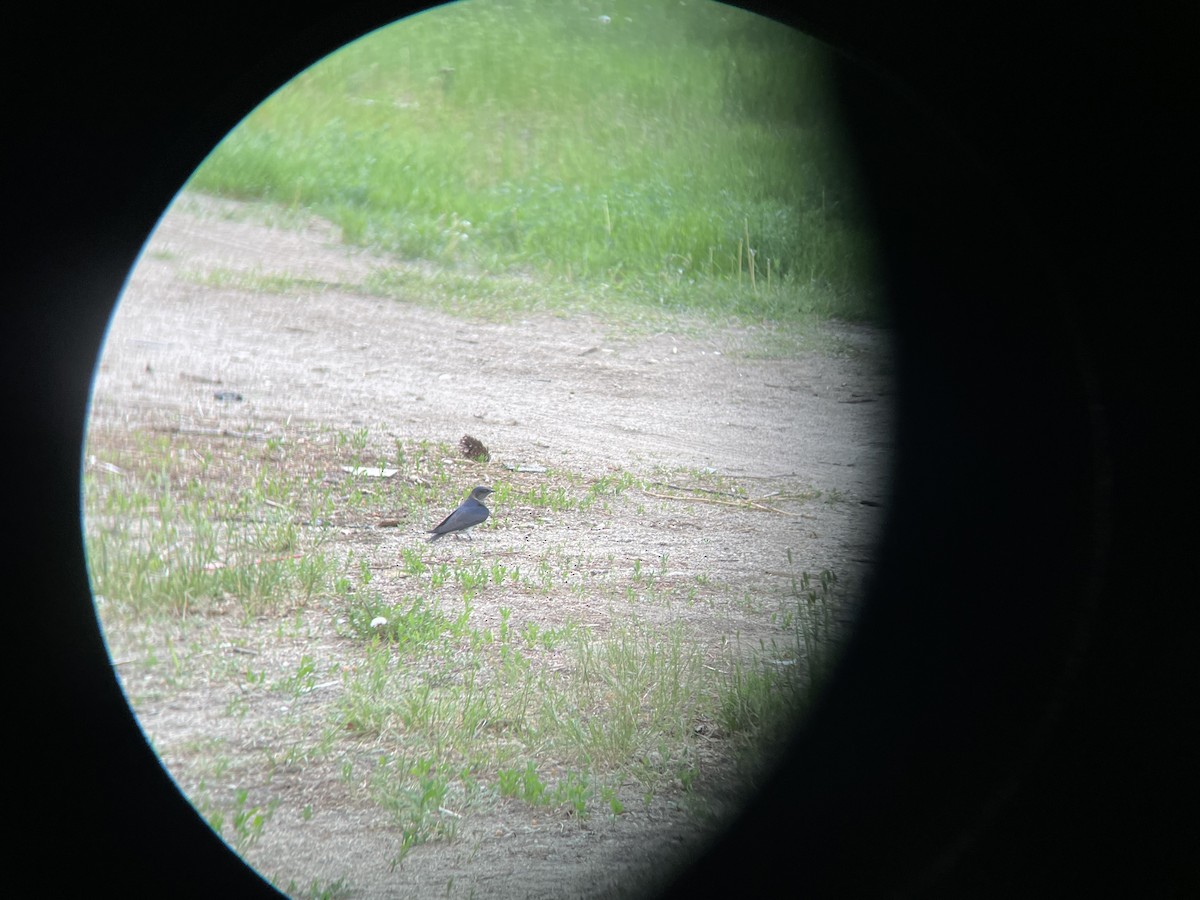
<point>412,562</point>
<point>523,784</point>
<point>304,679</point>
<point>246,821</point>
<point>573,792</point>
<point>413,624</point>
<point>471,578</point>
<point>499,572</point>
<point>609,796</point>
<point>439,575</point>
<point>414,792</point>
<point>544,496</point>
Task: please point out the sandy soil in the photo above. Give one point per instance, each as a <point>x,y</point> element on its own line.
<point>570,393</point>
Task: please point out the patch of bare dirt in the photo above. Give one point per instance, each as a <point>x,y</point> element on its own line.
<point>572,394</point>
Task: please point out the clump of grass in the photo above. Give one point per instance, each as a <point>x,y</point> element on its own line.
<point>411,624</point>
<point>414,792</point>
<point>573,792</point>
<point>764,693</point>
<point>243,824</point>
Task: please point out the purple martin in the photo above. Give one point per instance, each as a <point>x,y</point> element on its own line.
<point>471,513</point>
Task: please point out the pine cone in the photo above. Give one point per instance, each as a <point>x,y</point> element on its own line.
<point>472,448</point>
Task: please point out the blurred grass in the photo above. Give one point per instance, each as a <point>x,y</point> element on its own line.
<point>683,154</point>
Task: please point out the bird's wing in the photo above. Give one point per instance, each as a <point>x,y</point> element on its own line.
<point>472,513</point>
<point>448,521</point>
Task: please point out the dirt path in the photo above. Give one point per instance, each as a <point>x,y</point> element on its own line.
<point>569,393</point>
<point>568,390</point>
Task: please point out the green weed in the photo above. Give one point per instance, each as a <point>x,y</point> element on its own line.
<point>414,792</point>
<point>245,821</point>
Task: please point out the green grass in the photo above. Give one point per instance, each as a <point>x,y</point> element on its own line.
<point>459,682</point>
<point>487,704</point>
<point>170,537</point>
<point>680,157</point>
<point>762,697</point>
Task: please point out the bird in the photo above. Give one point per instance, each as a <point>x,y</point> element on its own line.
<point>472,512</point>
<point>473,448</point>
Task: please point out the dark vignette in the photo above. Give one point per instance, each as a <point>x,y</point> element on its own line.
<point>1016,715</point>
